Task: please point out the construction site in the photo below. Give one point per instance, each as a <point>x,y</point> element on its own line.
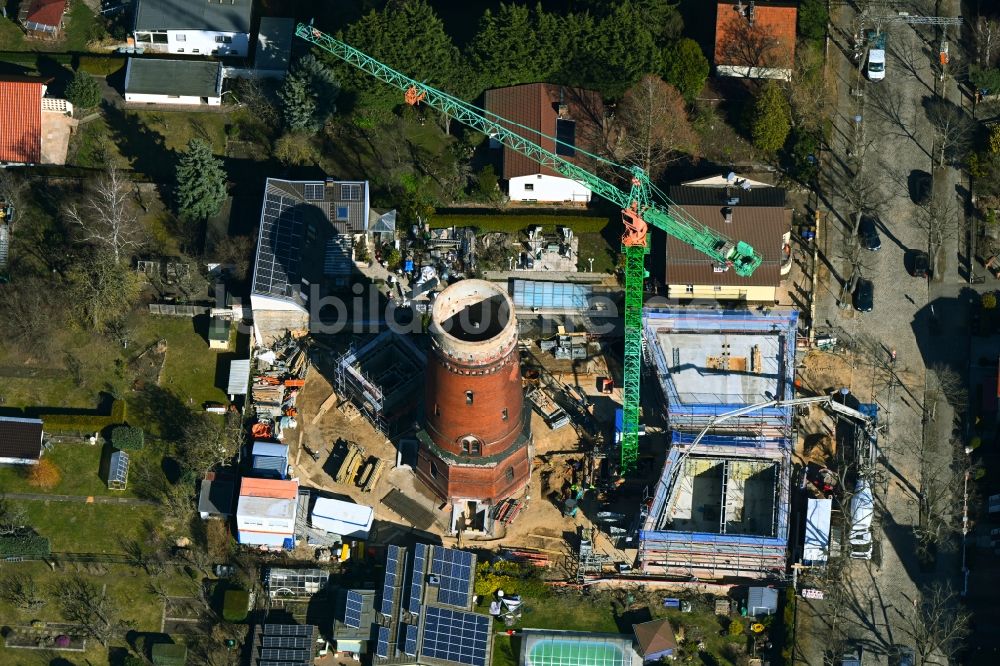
<point>720,508</point>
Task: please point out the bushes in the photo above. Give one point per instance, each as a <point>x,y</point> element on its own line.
<point>84,423</point>
<point>99,66</point>
<point>83,91</point>
<point>514,223</point>
<point>511,577</point>
<point>24,545</point>
<point>235,605</point>
<point>44,475</point>
<point>127,438</point>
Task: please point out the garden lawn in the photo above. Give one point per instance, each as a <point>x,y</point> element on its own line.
<point>83,470</point>
<point>78,527</point>
<point>596,245</point>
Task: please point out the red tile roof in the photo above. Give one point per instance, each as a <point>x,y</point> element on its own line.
<point>251,487</point>
<point>46,12</point>
<point>21,121</point>
<point>536,106</point>
<point>777,19</point>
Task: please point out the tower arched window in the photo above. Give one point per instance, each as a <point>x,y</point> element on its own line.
<point>471,446</point>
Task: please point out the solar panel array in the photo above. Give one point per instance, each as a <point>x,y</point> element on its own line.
<point>288,630</point>
<point>455,636</point>
<point>454,571</point>
<point>350,192</point>
<point>280,246</point>
<point>393,573</point>
<point>313,191</point>
<point>298,642</point>
<point>281,654</point>
<point>410,646</point>
<point>417,581</point>
<point>352,613</point>
<point>382,645</point>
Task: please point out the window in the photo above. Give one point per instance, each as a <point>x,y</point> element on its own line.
<point>223,39</point>
<point>689,288</point>
<point>717,288</point>
<point>159,38</point>
<point>504,414</point>
<point>342,213</point>
<point>173,96</point>
<point>529,187</point>
<point>510,475</point>
<point>313,191</point>
<point>350,192</point>
<point>180,38</point>
<point>468,397</point>
<point>180,50</point>
<point>434,470</point>
<point>143,37</point>
<point>471,446</point>
<point>195,50</point>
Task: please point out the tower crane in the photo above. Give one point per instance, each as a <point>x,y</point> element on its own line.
<point>639,212</point>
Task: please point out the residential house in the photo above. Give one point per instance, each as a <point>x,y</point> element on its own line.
<point>215,499</point>
<point>34,129</point>
<point>305,248</point>
<point>655,640</point>
<point>20,441</point>
<point>43,19</point>
<point>757,216</point>
<point>560,120</point>
<point>265,512</point>
<point>190,82</point>
<point>200,27</point>
<point>755,40</point>
<point>283,644</point>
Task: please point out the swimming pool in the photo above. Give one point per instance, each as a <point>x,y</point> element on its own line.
<point>546,648</point>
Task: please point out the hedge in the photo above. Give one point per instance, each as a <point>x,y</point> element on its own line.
<point>580,224</point>
<point>84,423</point>
<point>235,605</point>
<point>24,545</point>
<point>100,66</point>
<point>126,437</point>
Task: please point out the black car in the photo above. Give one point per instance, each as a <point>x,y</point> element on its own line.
<point>864,296</point>
<point>922,184</point>
<point>870,239</point>
<point>921,264</point>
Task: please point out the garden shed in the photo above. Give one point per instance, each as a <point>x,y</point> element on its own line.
<point>118,470</point>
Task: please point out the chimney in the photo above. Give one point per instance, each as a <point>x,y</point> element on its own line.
<point>727,213</point>
<point>563,107</point>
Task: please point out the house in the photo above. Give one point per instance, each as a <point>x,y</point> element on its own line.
<point>20,441</point>
<point>346,519</point>
<point>265,512</point>
<point>270,459</point>
<point>283,644</point>
<point>215,499</point>
<point>353,635</point>
<point>757,216</point>
<point>200,27</point>
<point>762,601</point>
<point>274,47</point>
<point>218,333</point>
<point>755,40</point>
<point>305,250</point>
<point>655,639</point>
<point>43,19</point>
<point>34,129</point>
<point>561,118</point>
<point>191,82</point>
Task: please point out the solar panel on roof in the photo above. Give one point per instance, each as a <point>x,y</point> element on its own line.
<point>352,614</point>
<point>285,641</point>
<point>417,580</point>
<point>350,192</point>
<point>454,571</point>
<point>455,636</point>
<point>410,646</point>
<point>280,246</point>
<point>282,654</point>
<point>382,646</point>
<point>287,630</point>
<point>313,191</point>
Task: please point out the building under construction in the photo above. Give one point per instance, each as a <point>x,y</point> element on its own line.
<point>720,509</point>
<point>383,379</point>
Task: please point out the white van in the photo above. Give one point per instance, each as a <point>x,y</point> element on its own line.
<point>876,64</point>
<point>861,512</point>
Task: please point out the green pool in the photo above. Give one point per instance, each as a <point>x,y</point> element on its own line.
<point>558,652</point>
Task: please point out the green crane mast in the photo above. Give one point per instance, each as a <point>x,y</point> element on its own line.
<point>639,211</point>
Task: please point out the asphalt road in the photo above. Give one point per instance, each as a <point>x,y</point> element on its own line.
<point>895,141</point>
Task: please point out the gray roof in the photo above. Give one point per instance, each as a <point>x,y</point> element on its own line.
<point>154,76</point>
<point>224,16</point>
<point>274,43</point>
<point>762,600</point>
<point>216,497</point>
<point>239,377</point>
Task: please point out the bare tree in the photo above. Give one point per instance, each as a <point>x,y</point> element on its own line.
<point>31,315</point>
<point>940,501</point>
<point>92,608</point>
<point>107,216</point>
<point>21,591</point>
<point>810,94</point>
<point>208,441</point>
<point>986,33</point>
<point>13,518</point>
<point>749,46</point>
<point>938,624</point>
<point>12,186</point>
<point>949,385</point>
<point>953,129</point>
<point>939,219</point>
<point>654,124</point>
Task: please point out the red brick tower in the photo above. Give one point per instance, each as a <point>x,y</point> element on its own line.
<point>476,440</point>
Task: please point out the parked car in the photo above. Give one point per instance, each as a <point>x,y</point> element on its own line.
<point>853,655</point>
<point>864,296</point>
<point>904,656</point>
<point>922,184</point>
<point>870,239</point>
<point>876,64</point>
<point>921,264</point>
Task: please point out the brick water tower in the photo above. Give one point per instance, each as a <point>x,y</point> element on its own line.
<point>475,447</point>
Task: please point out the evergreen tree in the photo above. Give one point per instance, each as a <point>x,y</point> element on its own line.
<point>201,182</point>
<point>812,19</point>
<point>686,67</point>
<point>308,94</point>
<point>83,91</point>
<point>770,119</point>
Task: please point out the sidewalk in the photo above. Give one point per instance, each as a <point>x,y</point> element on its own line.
<point>85,499</point>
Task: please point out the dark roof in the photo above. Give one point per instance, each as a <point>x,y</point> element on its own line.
<point>274,43</point>
<point>155,76</point>
<point>343,632</point>
<point>691,195</point>
<point>761,227</point>
<point>654,637</point>
<point>218,329</point>
<point>20,438</point>
<point>224,16</point>
<point>216,496</point>
<point>536,106</point>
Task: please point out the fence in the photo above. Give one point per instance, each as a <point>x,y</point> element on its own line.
<point>170,309</point>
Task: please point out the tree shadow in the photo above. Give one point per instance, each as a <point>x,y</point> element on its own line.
<point>161,408</point>
<point>142,146</point>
